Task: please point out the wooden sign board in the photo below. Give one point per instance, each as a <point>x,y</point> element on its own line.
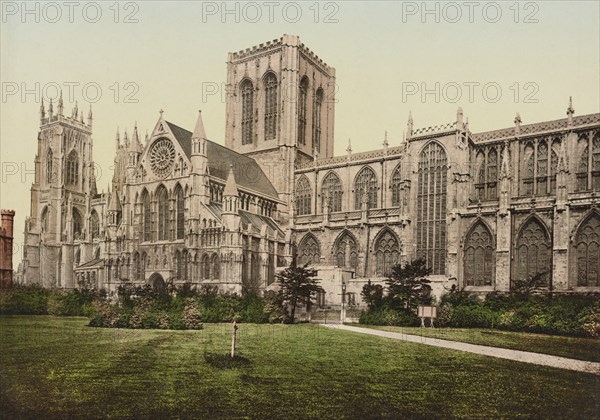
<point>427,312</point>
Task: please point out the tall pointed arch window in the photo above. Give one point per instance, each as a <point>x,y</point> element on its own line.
<point>395,185</point>
<point>387,252</point>
<point>528,171</point>
<point>303,196</point>
<point>309,251</point>
<point>147,217</point>
<point>479,260</point>
<point>346,251</point>
<point>365,183</point>
<point>247,91</point>
<point>162,201</point>
<point>180,207</point>
<point>270,106</point>
<point>72,168</point>
<point>205,267</point>
<point>77,223</point>
<point>317,119</point>
<point>302,100</point>
<point>542,168</point>
<point>533,251</point>
<point>95,225</point>
<point>216,267</point>
<point>49,166</point>
<point>431,207</point>
<point>587,252</point>
<point>331,192</point>
<point>487,174</point>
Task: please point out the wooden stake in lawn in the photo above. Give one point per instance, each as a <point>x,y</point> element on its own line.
<point>233,336</point>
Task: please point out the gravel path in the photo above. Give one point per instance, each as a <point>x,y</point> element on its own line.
<point>517,355</point>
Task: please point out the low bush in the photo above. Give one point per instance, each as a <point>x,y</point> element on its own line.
<point>388,316</point>
<point>24,300</point>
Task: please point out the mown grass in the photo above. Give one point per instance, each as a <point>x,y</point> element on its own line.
<point>571,347</point>
<point>60,368</point>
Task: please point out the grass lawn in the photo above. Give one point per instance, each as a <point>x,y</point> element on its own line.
<point>571,347</point>
<point>60,368</point>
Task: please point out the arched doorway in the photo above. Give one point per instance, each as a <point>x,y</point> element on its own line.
<point>157,282</point>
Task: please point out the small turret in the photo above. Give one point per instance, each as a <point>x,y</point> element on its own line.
<point>61,106</point>
<point>459,119</point>
<point>349,148</point>
<point>570,112</point>
<point>517,124</point>
<point>50,109</point>
<point>231,202</point>
<point>42,112</point>
<point>409,125</point>
<point>89,118</point>
<point>134,149</point>
<point>118,140</point>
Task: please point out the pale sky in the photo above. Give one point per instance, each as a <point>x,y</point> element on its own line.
<point>530,56</point>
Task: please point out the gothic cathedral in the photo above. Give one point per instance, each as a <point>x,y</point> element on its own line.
<point>483,209</point>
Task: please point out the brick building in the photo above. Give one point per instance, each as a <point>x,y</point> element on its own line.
<point>6,247</point>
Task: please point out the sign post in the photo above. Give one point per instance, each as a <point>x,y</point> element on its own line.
<point>427,312</point>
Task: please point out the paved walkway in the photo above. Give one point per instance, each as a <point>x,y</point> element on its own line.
<point>517,355</point>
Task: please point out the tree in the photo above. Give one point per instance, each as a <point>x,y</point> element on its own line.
<point>408,286</point>
<point>298,286</point>
<point>372,294</point>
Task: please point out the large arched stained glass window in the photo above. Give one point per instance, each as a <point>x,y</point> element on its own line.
<point>365,183</point>
<point>302,99</point>
<point>387,252</point>
<point>346,251</point>
<point>331,192</point>
<point>72,168</point>
<point>431,208</point>
<point>308,251</point>
<point>270,106</point>
<point>533,252</point>
<point>479,257</point>
<point>162,201</point>
<point>247,91</point>
<point>587,252</point>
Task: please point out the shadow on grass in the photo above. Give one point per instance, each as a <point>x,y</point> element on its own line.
<point>225,361</point>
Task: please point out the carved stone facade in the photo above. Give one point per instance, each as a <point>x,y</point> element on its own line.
<point>483,209</point>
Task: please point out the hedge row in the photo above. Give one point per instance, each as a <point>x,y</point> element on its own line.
<point>559,314</point>
<point>182,308</point>
<point>35,300</point>
<point>184,311</point>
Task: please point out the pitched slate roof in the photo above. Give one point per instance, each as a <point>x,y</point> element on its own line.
<point>258,221</point>
<point>248,174</point>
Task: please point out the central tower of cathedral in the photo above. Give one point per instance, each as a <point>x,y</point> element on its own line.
<point>280,109</point>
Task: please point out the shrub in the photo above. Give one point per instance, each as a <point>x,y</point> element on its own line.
<point>388,316</point>
<point>24,300</point>
<point>191,316</point>
<point>473,316</point>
